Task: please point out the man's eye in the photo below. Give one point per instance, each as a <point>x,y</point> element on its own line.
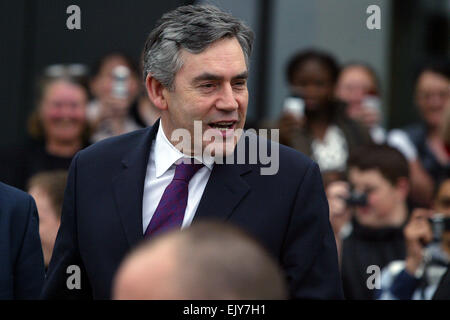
<point>369,190</point>
<point>239,84</point>
<point>207,85</point>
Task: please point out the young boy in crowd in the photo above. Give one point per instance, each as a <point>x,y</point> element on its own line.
<point>376,210</point>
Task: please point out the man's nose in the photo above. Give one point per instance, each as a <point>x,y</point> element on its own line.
<point>309,91</point>
<point>359,94</point>
<point>436,100</point>
<point>67,110</point>
<point>227,100</point>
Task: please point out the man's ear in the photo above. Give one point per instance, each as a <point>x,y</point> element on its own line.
<point>156,92</point>
<point>403,186</point>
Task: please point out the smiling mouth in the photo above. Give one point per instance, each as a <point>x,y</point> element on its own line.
<point>64,123</point>
<point>223,125</point>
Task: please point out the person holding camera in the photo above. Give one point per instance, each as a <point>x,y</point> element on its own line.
<point>427,239</point>
<point>358,86</point>
<point>368,214</point>
<point>114,85</point>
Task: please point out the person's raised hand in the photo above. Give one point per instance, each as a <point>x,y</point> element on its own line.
<point>417,234</point>
<point>369,117</point>
<point>336,193</point>
<point>289,124</point>
<point>112,107</point>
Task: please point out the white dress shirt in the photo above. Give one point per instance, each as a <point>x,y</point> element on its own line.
<point>160,172</point>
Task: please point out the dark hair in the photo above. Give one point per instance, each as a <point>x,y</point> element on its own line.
<point>192,28</point>
<point>389,161</point>
<point>440,66</point>
<point>367,68</point>
<point>300,58</point>
<point>100,62</point>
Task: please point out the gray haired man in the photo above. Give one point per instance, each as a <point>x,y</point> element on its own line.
<point>127,189</point>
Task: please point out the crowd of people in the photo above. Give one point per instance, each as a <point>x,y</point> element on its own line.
<point>377,180</point>
<point>74,109</point>
<point>388,191</point>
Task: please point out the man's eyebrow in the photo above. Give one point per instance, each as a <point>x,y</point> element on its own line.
<point>210,76</point>
<point>243,75</point>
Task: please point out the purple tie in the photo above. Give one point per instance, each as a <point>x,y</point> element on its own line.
<point>171,207</point>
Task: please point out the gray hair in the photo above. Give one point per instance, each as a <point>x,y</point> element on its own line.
<point>192,28</point>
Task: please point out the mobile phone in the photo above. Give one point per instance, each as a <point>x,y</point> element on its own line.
<point>439,224</point>
<point>372,102</point>
<point>295,106</point>
<point>119,87</point>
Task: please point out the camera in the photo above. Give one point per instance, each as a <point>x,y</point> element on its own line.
<point>356,199</point>
<point>439,224</point>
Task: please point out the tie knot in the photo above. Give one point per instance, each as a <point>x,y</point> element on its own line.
<point>185,171</point>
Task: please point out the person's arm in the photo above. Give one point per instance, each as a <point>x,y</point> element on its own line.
<point>310,256</point>
<point>29,266</point>
<point>399,281</point>
<point>66,252</point>
<point>340,215</point>
<point>289,125</point>
<point>396,283</point>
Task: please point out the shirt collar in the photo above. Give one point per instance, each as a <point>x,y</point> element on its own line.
<point>166,154</point>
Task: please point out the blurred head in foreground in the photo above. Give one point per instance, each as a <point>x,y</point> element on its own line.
<point>208,260</point>
<point>47,189</point>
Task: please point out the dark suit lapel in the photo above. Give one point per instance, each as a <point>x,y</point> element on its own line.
<point>443,290</point>
<point>223,192</point>
<point>128,186</point>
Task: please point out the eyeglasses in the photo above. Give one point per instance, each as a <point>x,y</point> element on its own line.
<point>66,70</point>
<point>440,94</point>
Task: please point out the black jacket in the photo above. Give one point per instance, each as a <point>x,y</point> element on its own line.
<point>21,259</point>
<point>102,216</point>
<point>365,247</point>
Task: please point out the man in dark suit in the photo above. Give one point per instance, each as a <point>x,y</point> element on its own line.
<point>443,289</point>
<point>21,259</point>
<point>129,188</point>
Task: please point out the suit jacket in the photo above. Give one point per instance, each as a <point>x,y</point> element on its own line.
<point>443,290</point>
<point>21,258</point>
<point>102,216</point>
